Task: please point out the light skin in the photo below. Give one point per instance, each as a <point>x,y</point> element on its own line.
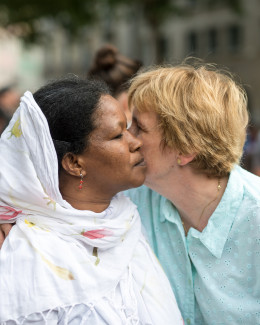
<point>170,174</point>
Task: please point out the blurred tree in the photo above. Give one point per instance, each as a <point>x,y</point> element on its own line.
<point>21,16</point>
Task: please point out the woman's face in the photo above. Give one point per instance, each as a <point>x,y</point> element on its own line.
<point>159,160</point>
<point>112,160</point>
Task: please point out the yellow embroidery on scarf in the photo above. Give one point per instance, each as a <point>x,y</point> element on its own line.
<point>144,284</point>
<point>29,223</point>
<point>60,271</point>
<point>127,226</point>
<point>16,129</point>
<point>32,224</point>
<point>51,202</point>
<point>63,273</point>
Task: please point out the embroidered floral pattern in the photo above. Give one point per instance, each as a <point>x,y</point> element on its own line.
<point>7,213</point>
<point>96,233</point>
<point>16,129</point>
<point>61,272</point>
<point>127,226</point>
<point>29,223</point>
<point>50,201</point>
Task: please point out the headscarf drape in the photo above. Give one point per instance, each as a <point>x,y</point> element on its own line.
<point>56,255</point>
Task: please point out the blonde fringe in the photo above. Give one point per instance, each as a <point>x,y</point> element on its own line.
<point>201,110</point>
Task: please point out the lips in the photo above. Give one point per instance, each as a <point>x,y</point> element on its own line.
<point>141,162</point>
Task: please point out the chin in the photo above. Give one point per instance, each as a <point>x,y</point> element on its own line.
<point>138,182</point>
<point>149,181</point>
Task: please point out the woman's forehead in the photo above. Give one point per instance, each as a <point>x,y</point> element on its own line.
<point>146,117</point>
<point>109,113</point>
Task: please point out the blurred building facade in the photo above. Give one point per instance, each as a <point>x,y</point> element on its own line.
<point>217,36</point>
<point>225,38</point>
<point>220,36</point>
<point>21,66</point>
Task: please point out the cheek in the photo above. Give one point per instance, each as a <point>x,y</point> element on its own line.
<point>155,161</point>
<point>120,161</point>
<point>107,158</point>
<point>150,149</point>
<point>118,158</point>
<point>153,166</point>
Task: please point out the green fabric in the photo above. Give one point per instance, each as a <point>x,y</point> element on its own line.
<point>215,275</point>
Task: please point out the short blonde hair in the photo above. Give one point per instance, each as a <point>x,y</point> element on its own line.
<point>201,110</point>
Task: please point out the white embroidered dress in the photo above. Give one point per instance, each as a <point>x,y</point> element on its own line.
<point>60,265</point>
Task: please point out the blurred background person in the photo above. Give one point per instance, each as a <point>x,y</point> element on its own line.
<point>9,100</point>
<point>116,70</point>
<point>3,121</point>
<point>251,156</point>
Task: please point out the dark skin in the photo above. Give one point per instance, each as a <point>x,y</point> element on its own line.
<point>4,231</point>
<point>111,163</point>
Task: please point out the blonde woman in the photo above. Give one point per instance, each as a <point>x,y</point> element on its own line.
<point>200,209</point>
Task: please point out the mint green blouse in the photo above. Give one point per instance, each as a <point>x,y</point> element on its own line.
<point>215,274</point>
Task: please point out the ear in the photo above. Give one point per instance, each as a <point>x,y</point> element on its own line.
<point>183,160</point>
<point>71,164</point>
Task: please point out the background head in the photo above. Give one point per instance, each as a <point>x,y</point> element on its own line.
<point>69,106</point>
<point>3,121</point>
<point>201,111</point>
<point>9,100</point>
<point>114,68</point>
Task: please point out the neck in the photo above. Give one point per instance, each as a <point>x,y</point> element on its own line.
<point>195,195</point>
<point>97,204</point>
<point>88,198</point>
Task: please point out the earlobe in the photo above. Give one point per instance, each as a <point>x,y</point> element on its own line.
<point>71,164</point>
<point>183,160</point>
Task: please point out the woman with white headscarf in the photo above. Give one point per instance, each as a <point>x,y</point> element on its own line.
<point>76,254</point>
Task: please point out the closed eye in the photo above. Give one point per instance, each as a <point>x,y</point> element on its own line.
<point>119,136</point>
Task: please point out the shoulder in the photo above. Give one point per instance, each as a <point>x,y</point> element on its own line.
<point>248,213</point>
<point>141,195</point>
<point>250,182</point>
<point>153,207</point>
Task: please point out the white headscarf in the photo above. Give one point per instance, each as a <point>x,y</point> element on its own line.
<point>57,255</point>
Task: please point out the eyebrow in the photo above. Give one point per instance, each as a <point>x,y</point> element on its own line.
<point>121,124</point>
<point>139,123</point>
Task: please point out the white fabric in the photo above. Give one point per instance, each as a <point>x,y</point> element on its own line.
<point>59,263</point>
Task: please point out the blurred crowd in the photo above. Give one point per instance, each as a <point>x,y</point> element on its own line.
<point>116,69</point>
<point>251,157</point>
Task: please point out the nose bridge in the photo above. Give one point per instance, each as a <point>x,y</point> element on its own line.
<point>134,142</point>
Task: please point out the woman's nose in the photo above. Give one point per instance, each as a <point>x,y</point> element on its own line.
<point>134,142</point>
